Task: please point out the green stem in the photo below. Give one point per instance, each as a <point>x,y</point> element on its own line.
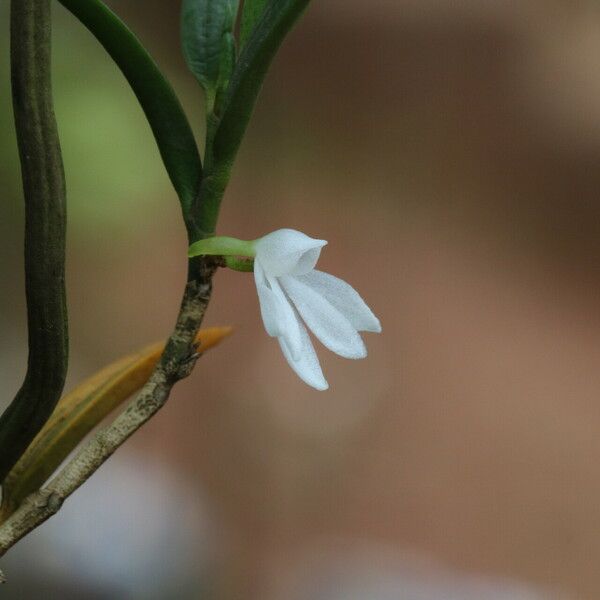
<point>45,229</point>
<point>163,110</point>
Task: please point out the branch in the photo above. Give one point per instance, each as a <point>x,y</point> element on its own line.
<point>176,363</point>
<point>45,222</point>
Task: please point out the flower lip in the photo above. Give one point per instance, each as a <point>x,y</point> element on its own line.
<point>288,252</point>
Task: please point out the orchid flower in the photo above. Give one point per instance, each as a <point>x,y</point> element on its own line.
<point>292,294</point>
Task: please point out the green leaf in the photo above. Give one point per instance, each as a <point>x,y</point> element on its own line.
<point>204,25</point>
<point>250,70</point>
<point>225,68</point>
<point>251,13</point>
<point>161,106</point>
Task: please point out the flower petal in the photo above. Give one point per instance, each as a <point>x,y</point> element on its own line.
<point>288,252</point>
<point>328,324</point>
<point>306,365</point>
<point>291,328</point>
<point>268,301</point>
<point>345,298</point>
<point>277,313</point>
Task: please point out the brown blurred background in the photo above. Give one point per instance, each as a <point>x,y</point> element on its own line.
<point>449,150</point>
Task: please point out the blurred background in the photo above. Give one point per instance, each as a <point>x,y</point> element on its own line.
<point>449,150</point>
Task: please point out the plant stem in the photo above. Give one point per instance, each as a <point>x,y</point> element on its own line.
<point>45,230</point>
<point>177,362</point>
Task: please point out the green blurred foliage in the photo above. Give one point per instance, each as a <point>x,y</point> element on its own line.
<point>112,164</point>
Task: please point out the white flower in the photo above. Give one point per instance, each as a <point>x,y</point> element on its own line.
<point>289,287</point>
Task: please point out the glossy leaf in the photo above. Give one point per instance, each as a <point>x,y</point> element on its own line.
<point>228,52</point>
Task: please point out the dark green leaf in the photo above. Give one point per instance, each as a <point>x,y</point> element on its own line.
<point>251,13</point>
<point>252,65</point>
<point>250,69</point>
<point>161,106</point>
<point>225,68</point>
<point>204,25</point>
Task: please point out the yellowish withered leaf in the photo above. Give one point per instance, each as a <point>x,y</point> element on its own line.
<point>79,411</point>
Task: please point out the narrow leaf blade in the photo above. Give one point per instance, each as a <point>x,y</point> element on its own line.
<point>251,14</point>
<point>161,106</point>
<point>277,20</point>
